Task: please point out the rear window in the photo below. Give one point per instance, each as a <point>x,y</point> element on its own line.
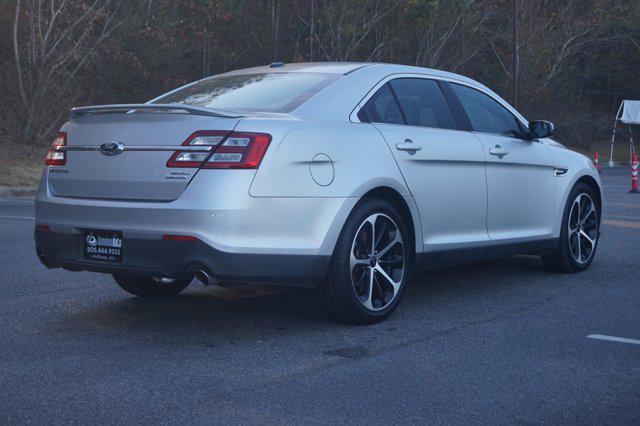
<point>267,92</point>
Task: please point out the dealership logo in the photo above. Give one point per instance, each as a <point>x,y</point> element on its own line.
<point>91,240</point>
<point>111,148</point>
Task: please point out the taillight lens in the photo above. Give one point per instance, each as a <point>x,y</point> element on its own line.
<point>238,150</point>
<point>203,138</point>
<point>54,157</point>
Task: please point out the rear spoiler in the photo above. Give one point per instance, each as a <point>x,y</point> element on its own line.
<point>115,108</point>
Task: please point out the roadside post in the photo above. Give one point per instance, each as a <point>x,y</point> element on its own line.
<point>634,174</point>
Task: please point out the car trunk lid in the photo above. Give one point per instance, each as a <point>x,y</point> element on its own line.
<point>132,164</point>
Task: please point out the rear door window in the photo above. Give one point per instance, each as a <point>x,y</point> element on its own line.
<point>381,108</point>
<point>423,103</point>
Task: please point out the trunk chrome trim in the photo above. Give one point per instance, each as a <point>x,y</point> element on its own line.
<point>191,148</point>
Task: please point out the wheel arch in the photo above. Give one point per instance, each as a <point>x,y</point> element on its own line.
<point>404,206</point>
<point>595,187</point>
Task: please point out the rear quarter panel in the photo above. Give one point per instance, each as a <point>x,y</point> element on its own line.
<point>350,160</point>
<point>326,159</point>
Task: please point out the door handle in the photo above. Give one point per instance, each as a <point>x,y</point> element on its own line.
<point>408,146</point>
<point>499,151</point>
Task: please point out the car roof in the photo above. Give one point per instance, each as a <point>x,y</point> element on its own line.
<point>315,67</point>
<point>345,68</point>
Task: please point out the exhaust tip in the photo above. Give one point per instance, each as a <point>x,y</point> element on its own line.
<point>205,278</point>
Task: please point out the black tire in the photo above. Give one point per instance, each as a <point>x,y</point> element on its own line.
<point>338,292</point>
<point>562,258</point>
<point>148,287</point>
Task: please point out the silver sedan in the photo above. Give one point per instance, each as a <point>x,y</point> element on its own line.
<point>342,176</point>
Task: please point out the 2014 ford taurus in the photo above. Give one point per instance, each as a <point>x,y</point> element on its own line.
<point>342,176</point>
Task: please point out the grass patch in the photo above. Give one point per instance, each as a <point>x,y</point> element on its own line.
<point>21,165</point>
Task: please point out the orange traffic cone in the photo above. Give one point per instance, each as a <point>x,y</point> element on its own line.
<point>595,162</point>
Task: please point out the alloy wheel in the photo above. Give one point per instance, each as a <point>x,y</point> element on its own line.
<point>377,261</point>
<point>583,228</point>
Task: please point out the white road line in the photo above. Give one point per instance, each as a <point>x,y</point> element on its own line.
<point>17,217</point>
<point>613,339</point>
<point>17,200</point>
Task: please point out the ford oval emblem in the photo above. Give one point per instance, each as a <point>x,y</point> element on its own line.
<point>111,148</point>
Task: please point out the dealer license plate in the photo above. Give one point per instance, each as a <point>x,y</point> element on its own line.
<point>102,245</point>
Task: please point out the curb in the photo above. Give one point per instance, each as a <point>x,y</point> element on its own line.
<point>18,191</point>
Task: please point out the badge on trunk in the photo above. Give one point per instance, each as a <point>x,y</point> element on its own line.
<point>111,148</point>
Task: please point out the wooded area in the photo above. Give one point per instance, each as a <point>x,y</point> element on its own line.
<point>574,59</point>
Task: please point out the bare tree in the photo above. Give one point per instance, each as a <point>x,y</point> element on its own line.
<point>447,33</point>
<point>550,39</point>
<point>52,41</point>
<point>339,28</point>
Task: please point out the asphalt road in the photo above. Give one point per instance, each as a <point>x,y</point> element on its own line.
<point>502,341</point>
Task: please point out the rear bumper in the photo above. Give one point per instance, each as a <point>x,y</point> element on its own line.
<point>175,259</point>
<point>285,240</point>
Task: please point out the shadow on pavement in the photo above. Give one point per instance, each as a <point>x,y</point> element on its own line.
<point>227,314</point>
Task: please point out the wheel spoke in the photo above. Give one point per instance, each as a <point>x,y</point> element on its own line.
<point>396,239</point>
<point>379,288</point>
<point>393,284</point>
<point>579,248</point>
<point>592,241</point>
<point>354,261</point>
<point>587,212</point>
<point>372,220</point>
<point>382,230</point>
<point>391,259</point>
<point>368,303</point>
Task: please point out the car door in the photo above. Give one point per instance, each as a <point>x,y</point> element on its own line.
<point>520,172</point>
<point>443,167</point>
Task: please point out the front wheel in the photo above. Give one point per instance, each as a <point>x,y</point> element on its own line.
<point>579,233</point>
<point>369,266</point>
<point>150,287</point>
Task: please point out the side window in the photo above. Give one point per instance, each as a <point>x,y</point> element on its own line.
<point>486,114</point>
<point>381,108</point>
<point>423,103</point>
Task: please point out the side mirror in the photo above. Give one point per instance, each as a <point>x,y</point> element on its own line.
<point>541,129</point>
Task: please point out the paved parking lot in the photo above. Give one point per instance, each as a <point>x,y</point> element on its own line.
<point>502,341</point>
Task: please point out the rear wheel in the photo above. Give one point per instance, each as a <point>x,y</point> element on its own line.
<point>369,266</point>
<point>151,287</point>
<point>579,233</point>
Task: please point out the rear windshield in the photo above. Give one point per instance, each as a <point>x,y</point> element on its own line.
<point>268,92</point>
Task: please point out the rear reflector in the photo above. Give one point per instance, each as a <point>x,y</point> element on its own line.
<point>170,237</point>
<point>222,150</point>
<point>42,228</point>
<point>54,157</point>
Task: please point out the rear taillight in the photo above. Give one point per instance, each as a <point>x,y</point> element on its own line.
<point>204,139</point>
<point>238,150</point>
<point>55,157</point>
